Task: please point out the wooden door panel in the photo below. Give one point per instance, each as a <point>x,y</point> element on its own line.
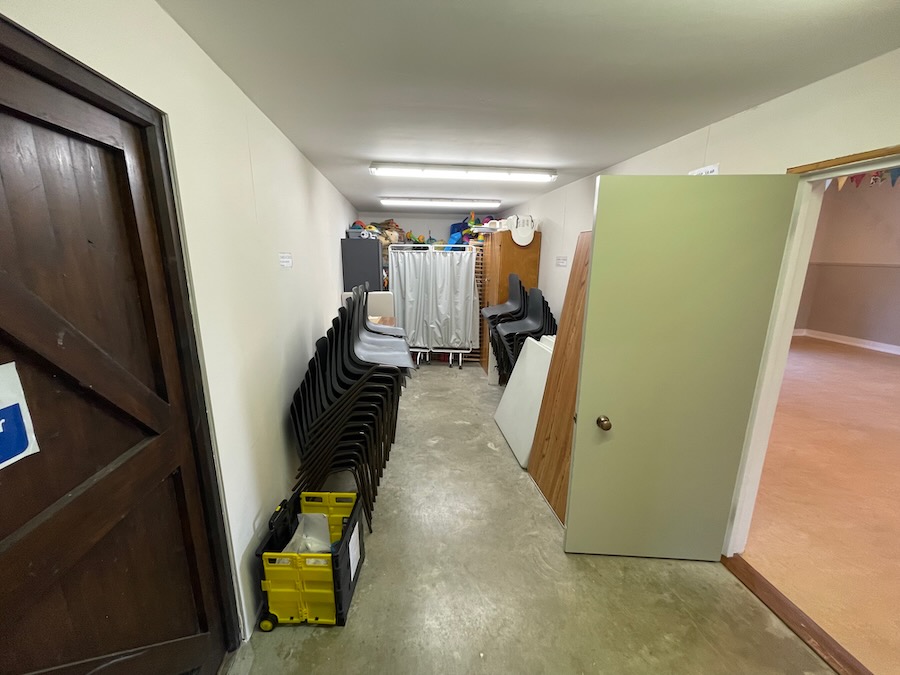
<point>28,95</point>
<point>551,451</point>
<point>174,656</point>
<point>50,544</point>
<point>93,604</point>
<point>105,557</point>
<point>65,213</point>
<point>31,322</point>
<point>683,281</point>
<point>78,436</point>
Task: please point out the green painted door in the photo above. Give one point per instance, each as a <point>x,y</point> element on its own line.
<point>681,290</point>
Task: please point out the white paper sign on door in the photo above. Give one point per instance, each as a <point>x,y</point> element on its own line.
<point>17,439</point>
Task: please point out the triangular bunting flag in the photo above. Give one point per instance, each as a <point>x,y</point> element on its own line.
<point>841,182</point>
<point>828,183</point>
<point>857,179</point>
<point>877,177</point>
<point>895,174</point>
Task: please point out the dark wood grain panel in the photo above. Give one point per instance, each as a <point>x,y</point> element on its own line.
<point>147,260</point>
<point>22,93</point>
<point>107,242</point>
<point>90,603</point>
<point>31,558</point>
<point>91,252</point>
<point>76,430</point>
<point>64,225</point>
<point>174,656</point>
<point>25,318</point>
<point>66,216</point>
<point>551,450</point>
<point>29,217</point>
<point>831,651</point>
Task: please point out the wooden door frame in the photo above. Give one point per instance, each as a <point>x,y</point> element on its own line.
<point>797,258</point>
<point>40,59</point>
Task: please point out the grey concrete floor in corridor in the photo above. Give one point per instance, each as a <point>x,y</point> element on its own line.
<point>465,573</point>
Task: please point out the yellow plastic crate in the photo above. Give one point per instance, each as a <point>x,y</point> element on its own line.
<point>299,587</point>
<point>336,505</point>
<point>311,587</point>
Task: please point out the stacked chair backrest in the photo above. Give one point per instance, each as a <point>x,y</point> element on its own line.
<point>344,413</point>
<point>524,315</point>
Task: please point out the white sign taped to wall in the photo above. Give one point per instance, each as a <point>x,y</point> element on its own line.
<point>17,439</point>
<point>709,170</point>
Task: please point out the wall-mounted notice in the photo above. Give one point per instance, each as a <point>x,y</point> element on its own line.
<point>286,260</point>
<point>17,439</point>
<point>709,170</point>
<point>562,261</point>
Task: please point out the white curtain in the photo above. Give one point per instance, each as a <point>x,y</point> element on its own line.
<point>435,300</point>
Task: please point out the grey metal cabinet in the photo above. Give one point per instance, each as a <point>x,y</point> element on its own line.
<point>361,259</point>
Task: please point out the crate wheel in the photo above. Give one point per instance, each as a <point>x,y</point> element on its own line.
<point>268,623</point>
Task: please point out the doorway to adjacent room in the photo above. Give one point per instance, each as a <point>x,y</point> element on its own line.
<point>825,531</point>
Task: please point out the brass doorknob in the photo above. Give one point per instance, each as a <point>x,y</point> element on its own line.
<point>604,423</point>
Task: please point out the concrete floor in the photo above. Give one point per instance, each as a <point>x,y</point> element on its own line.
<point>465,573</point>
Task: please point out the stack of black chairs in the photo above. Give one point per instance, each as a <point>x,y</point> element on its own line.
<point>345,411</point>
<point>522,316</point>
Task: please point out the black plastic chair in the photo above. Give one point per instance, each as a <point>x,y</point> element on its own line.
<point>508,338</point>
<point>344,413</point>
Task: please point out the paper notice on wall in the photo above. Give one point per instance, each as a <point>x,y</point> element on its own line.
<point>17,439</point>
<point>354,552</point>
<point>709,170</point>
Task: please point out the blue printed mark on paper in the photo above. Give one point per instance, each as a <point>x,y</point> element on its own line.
<point>13,435</point>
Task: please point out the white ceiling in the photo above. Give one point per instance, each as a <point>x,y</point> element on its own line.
<point>573,85</point>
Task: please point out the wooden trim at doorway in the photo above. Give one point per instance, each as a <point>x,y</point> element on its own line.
<point>831,651</point>
<point>22,48</point>
<point>846,159</point>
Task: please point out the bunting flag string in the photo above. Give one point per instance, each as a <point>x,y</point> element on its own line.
<point>857,179</point>
<point>875,178</point>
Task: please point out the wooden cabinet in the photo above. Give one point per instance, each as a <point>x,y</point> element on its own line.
<point>502,257</point>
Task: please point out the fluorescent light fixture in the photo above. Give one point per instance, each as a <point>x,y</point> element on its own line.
<point>468,204</point>
<point>483,173</point>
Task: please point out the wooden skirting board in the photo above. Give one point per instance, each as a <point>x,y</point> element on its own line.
<point>551,451</point>
<point>794,618</point>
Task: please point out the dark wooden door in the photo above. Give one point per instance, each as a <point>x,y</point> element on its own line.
<point>104,556</point>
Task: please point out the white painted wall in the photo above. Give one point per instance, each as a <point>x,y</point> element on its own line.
<point>561,215</point>
<point>246,194</point>
<point>846,113</point>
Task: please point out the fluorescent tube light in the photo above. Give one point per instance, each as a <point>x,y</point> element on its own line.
<point>469,204</point>
<point>483,173</point>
